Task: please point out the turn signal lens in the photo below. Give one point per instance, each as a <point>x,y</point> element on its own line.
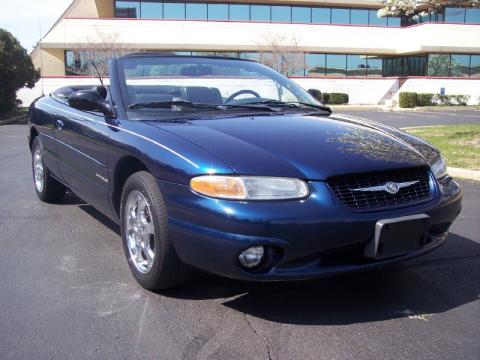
<point>219,186</point>
<point>249,187</point>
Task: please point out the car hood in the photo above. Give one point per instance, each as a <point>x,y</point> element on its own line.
<point>305,146</point>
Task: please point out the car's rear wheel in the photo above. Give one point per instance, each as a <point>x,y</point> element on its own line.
<point>47,188</point>
<point>144,224</point>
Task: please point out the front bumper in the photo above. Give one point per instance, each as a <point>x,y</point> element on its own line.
<point>312,238</point>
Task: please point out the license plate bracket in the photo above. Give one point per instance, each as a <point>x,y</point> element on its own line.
<point>398,236</point>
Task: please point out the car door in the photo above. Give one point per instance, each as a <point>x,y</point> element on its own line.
<point>82,139</point>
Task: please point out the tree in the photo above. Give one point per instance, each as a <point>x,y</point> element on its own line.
<point>16,71</point>
<point>282,54</point>
<point>417,8</point>
<point>94,55</point>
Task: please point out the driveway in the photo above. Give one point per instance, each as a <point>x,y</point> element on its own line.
<point>418,118</point>
<point>66,292</point>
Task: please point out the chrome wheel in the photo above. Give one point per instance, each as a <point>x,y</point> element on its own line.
<point>38,169</point>
<point>140,231</point>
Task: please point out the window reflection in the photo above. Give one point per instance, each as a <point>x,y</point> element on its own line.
<point>239,12</point>
<point>151,10</point>
<point>174,11</point>
<point>281,13</point>
<point>460,65</point>
<point>375,20</point>
<point>315,64</point>
<point>454,15</point>
<point>127,9</point>
<point>472,16</point>
<point>196,11</point>
<point>340,16</point>
<point>260,13</point>
<point>301,14</point>
<point>374,66</point>
<point>321,15</point>
<point>359,17</point>
<point>218,11</point>
<point>336,65</point>
<point>475,66</point>
<point>356,65</point>
<point>439,65</point>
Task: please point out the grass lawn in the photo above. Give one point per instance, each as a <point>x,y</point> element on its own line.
<point>459,144</point>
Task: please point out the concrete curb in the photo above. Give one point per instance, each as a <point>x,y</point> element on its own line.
<point>14,119</point>
<point>464,173</point>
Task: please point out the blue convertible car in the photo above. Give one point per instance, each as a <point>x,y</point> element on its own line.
<point>226,166</point>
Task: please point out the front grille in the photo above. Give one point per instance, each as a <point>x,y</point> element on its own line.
<point>343,187</point>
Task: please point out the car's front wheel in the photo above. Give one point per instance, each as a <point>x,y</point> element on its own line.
<point>47,188</point>
<point>144,224</point>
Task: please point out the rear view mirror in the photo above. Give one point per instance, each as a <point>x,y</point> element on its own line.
<point>90,100</point>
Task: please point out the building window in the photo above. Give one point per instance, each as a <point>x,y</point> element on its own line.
<point>472,16</point>
<point>281,13</point>
<point>127,9</point>
<point>152,10</point>
<point>260,13</point>
<point>239,12</point>
<point>454,15</point>
<point>301,14</point>
<point>218,11</point>
<point>336,65</point>
<point>460,65</point>
<point>340,16</point>
<point>374,66</point>
<point>375,20</point>
<point>356,65</point>
<point>475,66</point>
<point>393,21</point>
<point>414,65</point>
<point>359,17</point>
<point>321,15</point>
<point>174,11</point>
<point>315,64</point>
<point>439,65</point>
<point>196,11</point>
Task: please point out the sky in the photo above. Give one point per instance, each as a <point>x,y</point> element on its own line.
<point>27,19</point>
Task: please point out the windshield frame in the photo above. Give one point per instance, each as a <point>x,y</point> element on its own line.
<point>277,78</point>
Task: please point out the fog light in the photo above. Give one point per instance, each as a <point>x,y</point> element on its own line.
<point>252,256</point>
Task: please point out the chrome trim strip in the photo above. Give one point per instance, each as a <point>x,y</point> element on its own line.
<point>127,131</point>
<point>384,187</point>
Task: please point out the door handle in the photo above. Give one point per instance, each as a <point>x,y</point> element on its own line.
<point>59,124</point>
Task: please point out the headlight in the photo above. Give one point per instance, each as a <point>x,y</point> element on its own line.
<point>439,167</point>
<point>249,187</point>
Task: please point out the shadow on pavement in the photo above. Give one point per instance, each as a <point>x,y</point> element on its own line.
<point>427,285</point>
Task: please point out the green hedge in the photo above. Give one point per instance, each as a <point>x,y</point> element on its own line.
<point>408,99</point>
<point>411,99</point>
<point>424,99</point>
<point>335,98</point>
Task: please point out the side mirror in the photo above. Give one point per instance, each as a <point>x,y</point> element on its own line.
<point>90,100</point>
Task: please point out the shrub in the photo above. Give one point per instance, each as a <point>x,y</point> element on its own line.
<point>424,99</point>
<point>335,98</point>
<point>450,99</point>
<point>408,99</point>
<point>326,98</point>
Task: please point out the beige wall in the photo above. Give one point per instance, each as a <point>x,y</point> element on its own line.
<point>90,9</point>
<point>49,61</point>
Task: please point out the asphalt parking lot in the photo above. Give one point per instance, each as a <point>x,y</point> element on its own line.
<point>419,118</point>
<point>66,292</point>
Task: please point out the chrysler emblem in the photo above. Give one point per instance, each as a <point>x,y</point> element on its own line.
<point>392,187</point>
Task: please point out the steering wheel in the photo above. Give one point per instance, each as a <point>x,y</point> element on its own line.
<point>241,92</point>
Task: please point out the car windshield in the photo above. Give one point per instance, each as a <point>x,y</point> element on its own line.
<point>185,83</point>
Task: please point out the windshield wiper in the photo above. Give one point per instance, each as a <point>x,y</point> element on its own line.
<point>185,103</point>
<point>291,104</point>
<point>170,103</point>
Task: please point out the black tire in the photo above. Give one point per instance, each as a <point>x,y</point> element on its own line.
<point>52,190</point>
<point>167,270</point>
